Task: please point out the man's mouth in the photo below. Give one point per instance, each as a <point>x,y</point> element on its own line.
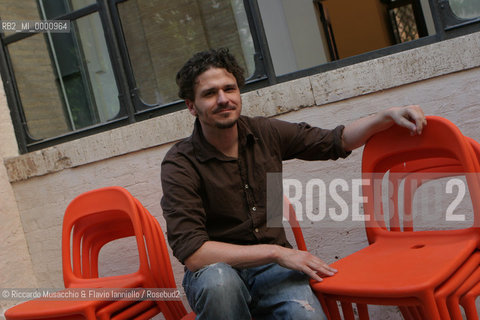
<point>224,109</point>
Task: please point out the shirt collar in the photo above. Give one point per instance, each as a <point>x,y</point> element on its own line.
<point>204,151</point>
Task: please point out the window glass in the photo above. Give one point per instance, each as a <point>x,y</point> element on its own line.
<point>65,80</point>
<point>465,9</point>
<point>34,10</point>
<point>38,87</point>
<point>162,35</point>
<point>19,10</point>
<point>78,4</point>
<point>14,10</point>
<point>403,20</point>
<point>53,8</point>
<point>98,68</point>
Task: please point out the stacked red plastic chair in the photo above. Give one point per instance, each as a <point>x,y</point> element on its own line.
<point>422,272</point>
<point>92,220</point>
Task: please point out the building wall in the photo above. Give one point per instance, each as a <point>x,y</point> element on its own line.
<point>442,78</point>
<point>15,261</point>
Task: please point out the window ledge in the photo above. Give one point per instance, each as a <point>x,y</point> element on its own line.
<point>391,71</point>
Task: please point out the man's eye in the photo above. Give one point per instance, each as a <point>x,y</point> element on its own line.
<point>208,93</point>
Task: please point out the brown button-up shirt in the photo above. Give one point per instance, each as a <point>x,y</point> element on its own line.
<point>210,196</point>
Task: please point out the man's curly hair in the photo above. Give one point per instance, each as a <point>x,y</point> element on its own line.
<point>201,62</point>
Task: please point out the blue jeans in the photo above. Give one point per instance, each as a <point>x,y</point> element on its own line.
<point>219,291</point>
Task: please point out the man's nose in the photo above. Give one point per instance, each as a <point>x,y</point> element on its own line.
<point>222,97</point>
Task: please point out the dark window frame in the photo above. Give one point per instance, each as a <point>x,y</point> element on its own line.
<point>133,109</point>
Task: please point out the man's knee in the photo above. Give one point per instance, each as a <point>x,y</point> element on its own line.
<point>217,290</point>
<point>219,278</point>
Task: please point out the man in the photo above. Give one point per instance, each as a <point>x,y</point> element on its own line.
<point>214,202</point>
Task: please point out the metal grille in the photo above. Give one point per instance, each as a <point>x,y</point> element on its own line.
<point>403,22</point>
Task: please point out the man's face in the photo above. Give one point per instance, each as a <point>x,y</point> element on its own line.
<point>217,100</point>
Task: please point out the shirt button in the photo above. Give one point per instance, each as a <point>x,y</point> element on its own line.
<point>254,209</point>
<point>246,186</point>
<point>256,229</point>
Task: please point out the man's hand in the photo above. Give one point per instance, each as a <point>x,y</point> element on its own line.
<point>305,262</point>
<point>410,117</point>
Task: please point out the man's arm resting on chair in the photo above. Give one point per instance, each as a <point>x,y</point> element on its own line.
<point>358,132</point>
<point>245,256</point>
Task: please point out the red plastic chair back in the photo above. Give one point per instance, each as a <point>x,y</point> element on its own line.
<point>90,234</point>
<point>414,174</point>
<point>440,168</point>
<point>440,140</point>
<point>87,213</point>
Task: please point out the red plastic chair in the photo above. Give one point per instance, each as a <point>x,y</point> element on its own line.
<point>111,229</point>
<point>392,269</point>
<point>95,229</point>
<point>103,206</point>
<point>448,297</point>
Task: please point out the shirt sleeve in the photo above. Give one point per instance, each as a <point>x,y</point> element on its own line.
<point>182,207</point>
<point>302,141</point>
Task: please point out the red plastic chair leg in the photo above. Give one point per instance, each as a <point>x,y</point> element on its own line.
<point>406,314</point>
<point>468,303</point>
<point>136,310</point>
<point>347,310</point>
<point>416,312</point>
<point>332,308</point>
<point>454,283</point>
<point>454,301</point>
<point>430,307</point>
<point>150,313</point>
<point>363,311</point>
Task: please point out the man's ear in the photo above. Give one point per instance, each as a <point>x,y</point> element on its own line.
<point>191,107</point>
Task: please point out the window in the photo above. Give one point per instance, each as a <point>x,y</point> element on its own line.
<point>116,65</point>
<point>351,28</point>
<point>161,35</point>
<point>465,9</point>
<point>118,62</point>
<point>459,13</point>
<point>64,81</point>
<point>406,20</point>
